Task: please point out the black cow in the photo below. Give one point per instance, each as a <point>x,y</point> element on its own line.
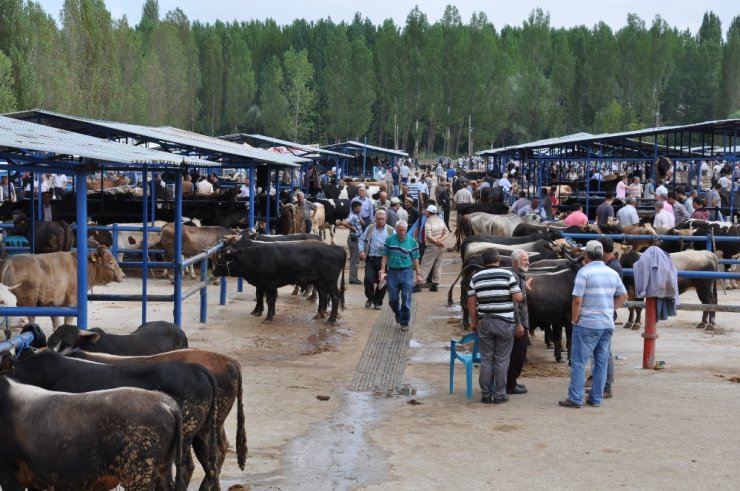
<point>717,229</point>
<point>127,436</point>
<point>527,229</point>
<point>492,195</point>
<point>268,266</point>
<point>148,339</point>
<point>334,209</point>
<point>190,385</point>
<point>50,236</point>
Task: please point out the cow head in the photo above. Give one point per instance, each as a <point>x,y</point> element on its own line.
<point>20,225</point>
<point>105,267</point>
<point>68,337</point>
<point>7,362</point>
<point>223,266</point>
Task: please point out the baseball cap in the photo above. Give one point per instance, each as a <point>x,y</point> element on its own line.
<point>395,201</point>
<point>432,209</point>
<point>409,198</point>
<point>594,246</point>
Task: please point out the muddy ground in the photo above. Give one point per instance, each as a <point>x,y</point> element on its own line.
<point>674,428</point>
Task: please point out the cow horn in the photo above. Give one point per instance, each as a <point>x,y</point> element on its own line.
<point>15,286</point>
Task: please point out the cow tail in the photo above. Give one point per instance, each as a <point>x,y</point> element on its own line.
<point>69,235</point>
<point>449,293</point>
<point>212,418</point>
<point>241,432</point>
<point>714,283</point>
<point>179,484</point>
<point>341,287</point>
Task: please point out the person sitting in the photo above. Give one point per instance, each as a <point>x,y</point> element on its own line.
<point>519,203</point>
<point>532,208</point>
<point>576,217</point>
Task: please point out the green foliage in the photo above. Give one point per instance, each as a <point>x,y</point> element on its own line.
<point>453,86</point>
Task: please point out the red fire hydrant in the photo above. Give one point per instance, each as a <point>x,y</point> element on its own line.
<point>651,333</point>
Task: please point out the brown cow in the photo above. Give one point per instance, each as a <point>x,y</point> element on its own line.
<point>228,374</point>
<point>194,241</point>
<point>50,280</point>
<point>291,220</point>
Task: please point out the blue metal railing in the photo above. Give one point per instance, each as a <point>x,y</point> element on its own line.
<point>19,342</point>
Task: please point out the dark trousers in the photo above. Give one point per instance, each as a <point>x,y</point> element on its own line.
<point>516,361</point>
<point>308,224</point>
<point>372,272</point>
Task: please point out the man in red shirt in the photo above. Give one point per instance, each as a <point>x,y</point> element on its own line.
<point>576,217</point>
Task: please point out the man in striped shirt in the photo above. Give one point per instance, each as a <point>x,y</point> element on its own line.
<point>598,291</point>
<point>491,298</point>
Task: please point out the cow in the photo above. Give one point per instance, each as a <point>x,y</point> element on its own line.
<point>334,209</point>
<point>190,385</point>
<point>225,370</point>
<point>48,280</point>
<point>149,338</point>
<point>706,288</point>
<point>269,266</point>
<point>730,250</point>
<point>540,249</point>
<point>194,241</point>
<point>505,241</point>
<point>7,299</point>
<point>49,236</point>
<point>129,436</point>
<point>527,229</point>
<point>291,221</point>
<point>485,224</point>
<point>129,239</point>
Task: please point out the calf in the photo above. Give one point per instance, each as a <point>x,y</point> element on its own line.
<point>191,386</point>
<point>225,370</point>
<point>148,339</point>
<point>194,241</point>
<point>130,437</point>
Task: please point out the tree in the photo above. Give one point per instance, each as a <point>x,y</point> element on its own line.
<point>273,104</point>
<point>730,82</point>
<point>7,98</point>
<point>240,81</point>
<point>300,93</point>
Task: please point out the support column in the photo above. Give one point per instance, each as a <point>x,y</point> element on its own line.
<point>177,314</point>
<point>81,201</point>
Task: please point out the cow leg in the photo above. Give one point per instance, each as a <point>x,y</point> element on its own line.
<point>56,321</point>
<point>314,293</point>
<point>548,336</point>
<point>202,446</point>
<point>631,319</point>
<point>333,292</point>
<point>10,484</point>
<point>557,339</point>
<point>568,336</point>
<point>271,295</point>
<point>259,304</point>
<point>295,289</point>
<point>638,318</point>
<point>188,466</point>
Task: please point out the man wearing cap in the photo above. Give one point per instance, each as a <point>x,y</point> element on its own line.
<point>413,213</point>
<point>400,265</point>
<point>598,291</point>
<point>491,298</point>
<point>435,232</point>
<point>395,205</point>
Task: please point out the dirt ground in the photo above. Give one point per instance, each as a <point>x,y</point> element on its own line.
<point>674,428</point>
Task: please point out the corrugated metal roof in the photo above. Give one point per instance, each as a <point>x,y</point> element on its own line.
<point>24,135</point>
<point>370,148</point>
<point>277,141</point>
<point>539,143</point>
<point>171,136</point>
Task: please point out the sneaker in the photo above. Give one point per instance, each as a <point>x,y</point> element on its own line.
<point>592,403</point>
<point>404,327</point>
<point>569,403</point>
<point>398,318</point>
<point>417,289</point>
<point>378,307</point>
<point>486,399</point>
<point>500,399</point>
<point>517,390</point>
<point>355,282</point>
<point>368,303</point>
<point>607,394</point>
<point>434,288</point>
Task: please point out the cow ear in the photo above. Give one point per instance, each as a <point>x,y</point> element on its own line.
<point>90,337</point>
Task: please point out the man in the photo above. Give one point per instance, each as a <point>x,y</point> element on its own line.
<point>491,298</point>
<point>699,212</point>
<point>355,225</point>
<point>627,215</point>
<point>392,213</point>
<point>435,232</point>
<point>60,184</point>
<point>404,172</point>
<point>411,212</point>
<point>440,172</point>
<point>415,192</point>
<point>636,188</point>
<point>611,261</point>
<point>663,218</point>
<point>372,242</point>
<point>576,217</point>
<point>7,190</point>
<point>532,208</point>
<point>622,188</point>
<point>382,201</point>
<point>444,199</point>
<point>243,190</point>
<point>724,182</point>
<point>519,203</point>
<point>519,266</point>
<point>366,209</point>
<point>204,186</point>
<point>597,292</point>
<point>307,208</point>
<point>400,261</point>
<point>450,173</point>
<point>649,190</point>
<point>680,213</point>
<point>187,185</point>
<point>661,190</point>
<point>46,206</point>
<point>712,201</point>
<point>686,201</point>
<point>215,183</point>
<point>463,195</point>
<point>505,184</point>
<point>605,211</point>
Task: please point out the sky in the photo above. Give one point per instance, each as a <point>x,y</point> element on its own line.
<point>563,13</point>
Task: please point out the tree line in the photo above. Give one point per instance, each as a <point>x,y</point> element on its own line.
<point>447,87</point>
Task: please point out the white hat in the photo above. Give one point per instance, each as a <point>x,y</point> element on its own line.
<point>395,201</point>
<point>432,209</point>
<point>594,246</point>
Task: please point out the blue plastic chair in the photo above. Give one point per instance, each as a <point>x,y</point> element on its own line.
<point>15,241</point>
<point>467,358</point>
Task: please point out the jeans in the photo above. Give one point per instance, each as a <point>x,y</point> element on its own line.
<point>372,270</point>
<point>401,282</point>
<point>308,223</point>
<point>586,342</point>
<point>496,340</point>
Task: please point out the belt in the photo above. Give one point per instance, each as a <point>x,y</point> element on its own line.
<point>375,257</point>
<point>399,269</point>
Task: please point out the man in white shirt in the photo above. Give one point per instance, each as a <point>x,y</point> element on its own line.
<point>627,215</point>
<point>622,188</point>
<point>203,186</point>
<point>405,171</point>
<point>244,190</point>
<point>505,184</point>
<point>662,217</point>
<point>60,184</point>
<point>661,190</point>
<point>635,188</point>
<point>724,181</point>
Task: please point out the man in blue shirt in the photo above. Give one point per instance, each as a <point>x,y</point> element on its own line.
<point>598,291</point>
<point>371,246</point>
<point>367,208</point>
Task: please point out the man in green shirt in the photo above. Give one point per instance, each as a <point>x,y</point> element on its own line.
<point>400,261</point>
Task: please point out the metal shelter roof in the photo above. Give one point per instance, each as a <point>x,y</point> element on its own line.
<point>673,145</point>
<point>303,150</point>
<point>353,145</point>
<point>23,140</point>
<point>168,138</point>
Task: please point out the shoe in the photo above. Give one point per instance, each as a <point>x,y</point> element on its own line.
<point>569,403</point>
<point>589,382</point>
<point>592,403</point>
<point>486,399</point>
<point>398,317</point>
<point>500,399</point>
<point>516,391</point>
<point>521,386</point>
<point>417,289</point>
<point>434,288</point>
<point>404,327</point>
<point>378,307</point>
<point>368,304</point>
<point>355,282</point>
<point>607,394</point>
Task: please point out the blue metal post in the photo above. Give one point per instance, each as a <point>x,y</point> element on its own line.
<point>364,157</point>
<point>269,205</point>
<point>32,214</point>
<point>177,314</point>
<point>154,199</point>
<point>204,291</point>
<point>145,231</point>
<point>222,296</point>
<point>239,284</point>
<point>252,187</point>
<point>81,198</point>
<point>114,241</point>
<point>39,204</point>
